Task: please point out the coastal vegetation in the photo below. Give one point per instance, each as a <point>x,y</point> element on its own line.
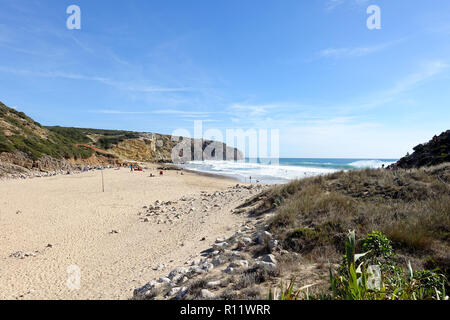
<point>403,210</point>
<point>375,274</point>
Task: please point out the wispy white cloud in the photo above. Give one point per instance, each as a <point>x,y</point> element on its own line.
<point>5,35</point>
<point>355,51</point>
<point>428,71</point>
<point>293,115</point>
<point>252,110</point>
<point>51,74</point>
<point>182,113</point>
<point>330,5</point>
<point>152,89</point>
<point>204,120</point>
<point>127,86</point>
<point>119,112</point>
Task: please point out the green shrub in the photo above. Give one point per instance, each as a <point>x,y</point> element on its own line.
<point>378,247</point>
<point>353,279</point>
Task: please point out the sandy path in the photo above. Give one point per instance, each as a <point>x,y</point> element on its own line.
<point>76,218</point>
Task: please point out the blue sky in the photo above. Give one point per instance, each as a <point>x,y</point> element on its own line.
<point>311,69</point>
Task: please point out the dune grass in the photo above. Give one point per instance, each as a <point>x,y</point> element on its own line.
<point>411,207</point>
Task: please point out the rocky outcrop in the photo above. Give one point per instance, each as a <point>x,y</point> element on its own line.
<point>435,152</point>
<point>18,165</point>
<point>16,158</point>
<point>135,149</point>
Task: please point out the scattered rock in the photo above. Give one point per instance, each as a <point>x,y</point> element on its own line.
<point>269,258</point>
<point>239,264</point>
<point>247,240</point>
<point>207,266</point>
<point>164,280</point>
<point>236,255</point>
<point>220,245</point>
<point>145,291</point>
<point>177,271</point>
<point>263,237</point>
<point>177,278</point>
<point>182,293</point>
<point>196,270</point>
<point>273,244</point>
<point>224,253</point>
<point>217,261</point>
<point>213,284</point>
<point>206,294</point>
<point>228,270</point>
<point>22,255</point>
<point>159,267</point>
<point>174,291</point>
<point>195,262</point>
<point>265,264</point>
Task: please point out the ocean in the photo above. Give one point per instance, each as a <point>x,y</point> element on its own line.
<point>283,170</point>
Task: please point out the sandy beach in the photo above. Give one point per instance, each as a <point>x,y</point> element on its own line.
<point>49,224</point>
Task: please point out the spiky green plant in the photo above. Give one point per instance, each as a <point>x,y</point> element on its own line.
<point>286,293</point>
<point>351,283</point>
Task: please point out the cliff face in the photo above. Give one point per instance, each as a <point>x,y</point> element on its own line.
<point>434,152</point>
<point>161,148</point>
<point>27,146</point>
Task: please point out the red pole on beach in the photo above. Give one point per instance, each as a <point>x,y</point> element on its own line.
<point>103,183</point>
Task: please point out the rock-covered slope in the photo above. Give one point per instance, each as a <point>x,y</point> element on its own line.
<point>434,152</point>
<point>28,148</point>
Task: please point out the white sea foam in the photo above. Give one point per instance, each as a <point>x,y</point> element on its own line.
<point>374,164</point>
<point>274,173</point>
<point>261,172</point>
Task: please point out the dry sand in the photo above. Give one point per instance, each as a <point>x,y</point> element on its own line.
<point>76,218</point>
